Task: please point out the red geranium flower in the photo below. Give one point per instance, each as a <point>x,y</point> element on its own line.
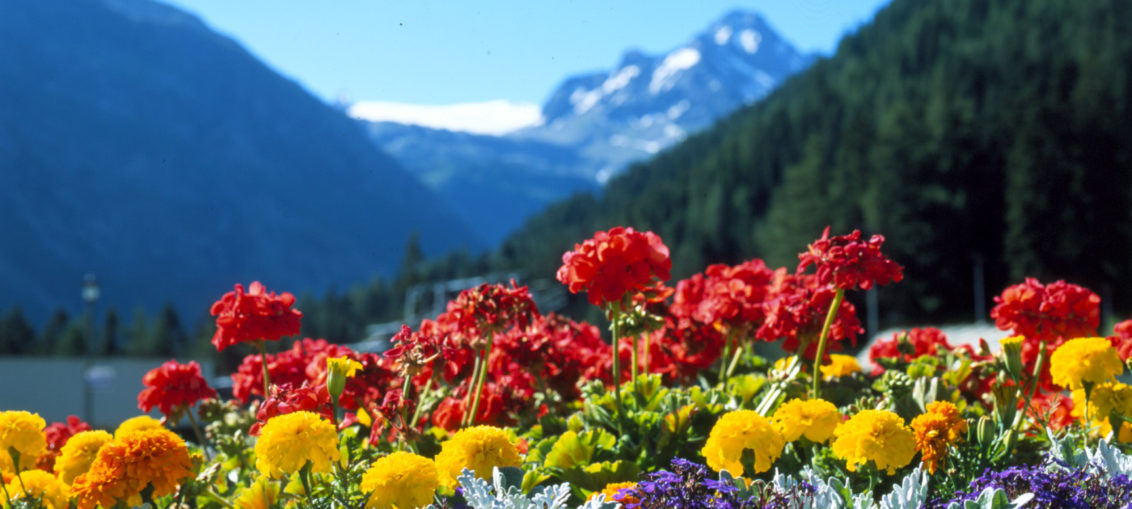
<point>490,309</point>
<point>1122,339</point>
<point>795,310</point>
<point>733,295</point>
<point>57,435</point>
<point>925,341</point>
<point>173,387</point>
<point>1054,313</point>
<point>847,262</point>
<point>252,316</point>
<point>615,263</point>
<point>288,398</point>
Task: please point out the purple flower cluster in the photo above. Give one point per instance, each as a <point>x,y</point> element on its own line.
<point>1056,487</point>
<point>690,486</point>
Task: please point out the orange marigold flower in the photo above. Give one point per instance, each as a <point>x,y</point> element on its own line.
<point>937,429</point>
<point>615,263</point>
<point>127,465</point>
<point>847,262</point>
<point>244,317</point>
<point>173,387</point>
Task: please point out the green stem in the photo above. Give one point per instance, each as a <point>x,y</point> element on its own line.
<point>200,436</point>
<point>734,361</point>
<point>420,401</point>
<point>483,377</point>
<point>5,489</point>
<point>405,387</point>
<point>633,367</point>
<point>645,363</point>
<point>468,399</point>
<point>266,375</point>
<point>305,476</point>
<point>815,391</point>
<point>614,316</point>
<point>723,359</point>
<point>1020,416</point>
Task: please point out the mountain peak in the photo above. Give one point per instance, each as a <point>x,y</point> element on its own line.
<point>648,102</point>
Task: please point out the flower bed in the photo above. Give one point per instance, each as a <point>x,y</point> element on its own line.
<point>494,404</point>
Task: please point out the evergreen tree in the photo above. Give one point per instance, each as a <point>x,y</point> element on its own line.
<point>16,335</point>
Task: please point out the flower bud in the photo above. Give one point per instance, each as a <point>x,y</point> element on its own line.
<point>1012,356</point>
<point>985,431</point>
<point>338,370</point>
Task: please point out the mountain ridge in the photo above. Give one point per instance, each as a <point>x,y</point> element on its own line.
<point>161,156</point>
<point>597,123</point>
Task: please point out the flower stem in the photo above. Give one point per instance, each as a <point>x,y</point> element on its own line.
<point>266,376</point>
<point>615,329</point>
<point>1019,417</point>
<point>723,359</point>
<point>734,361</point>
<point>305,476</point>
<point>420,400</point>
<point>833,307</point>
<point>633,367</point>
<point>645,363</point>
<point>468,399</point>
<point>406,386</point>
<point>482,378</point>
<point>5,488</point>
<point>200,436</point>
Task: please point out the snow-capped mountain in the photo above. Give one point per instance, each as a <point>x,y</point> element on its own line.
<point>596,124</point>
<point>649,102</point>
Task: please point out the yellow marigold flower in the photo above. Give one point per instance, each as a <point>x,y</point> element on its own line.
<point>51,491</point>
<point>403,480</point>
<point>937,429</point>
<point>1084,360</point>
<point>815,418</point>
<point>611,489</point>
<point>139,423</point>
<point>289,441</point>
<point>877,435</point>
<point>260,495</point>
<point>1103,400</point>
<point>739,430</point>
<point>840,365</point>
<point>126,465</point>
<point>22,431</point>
<point>78,453</point>
<point>479,449</point>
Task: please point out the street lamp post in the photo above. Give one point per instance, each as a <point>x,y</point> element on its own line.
<point>90,293</point>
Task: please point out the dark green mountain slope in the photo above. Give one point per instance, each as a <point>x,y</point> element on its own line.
<point>963,130</point>
<point>137,144</point>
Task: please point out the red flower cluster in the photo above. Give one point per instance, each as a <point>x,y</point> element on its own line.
<point>305,362</point>
<point>795,310</point>
<point>173,387</point>
<point>847,262</point>
<point>58,434</point>
<point>1122,339</point>
<point>615,263</point>
<point>733,295</point>
<point>489,309</point>
<point>1054,313</point>
<point>287,398</point>
<point>926,341</point>
<point>683,348</point>
<point>247,317</point>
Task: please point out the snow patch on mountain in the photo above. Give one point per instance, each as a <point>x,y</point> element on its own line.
<point>679,60</point>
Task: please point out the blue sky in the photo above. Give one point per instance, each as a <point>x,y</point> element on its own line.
<point>428,52</point>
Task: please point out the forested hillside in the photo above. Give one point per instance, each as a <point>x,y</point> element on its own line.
<point>962,130</point>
